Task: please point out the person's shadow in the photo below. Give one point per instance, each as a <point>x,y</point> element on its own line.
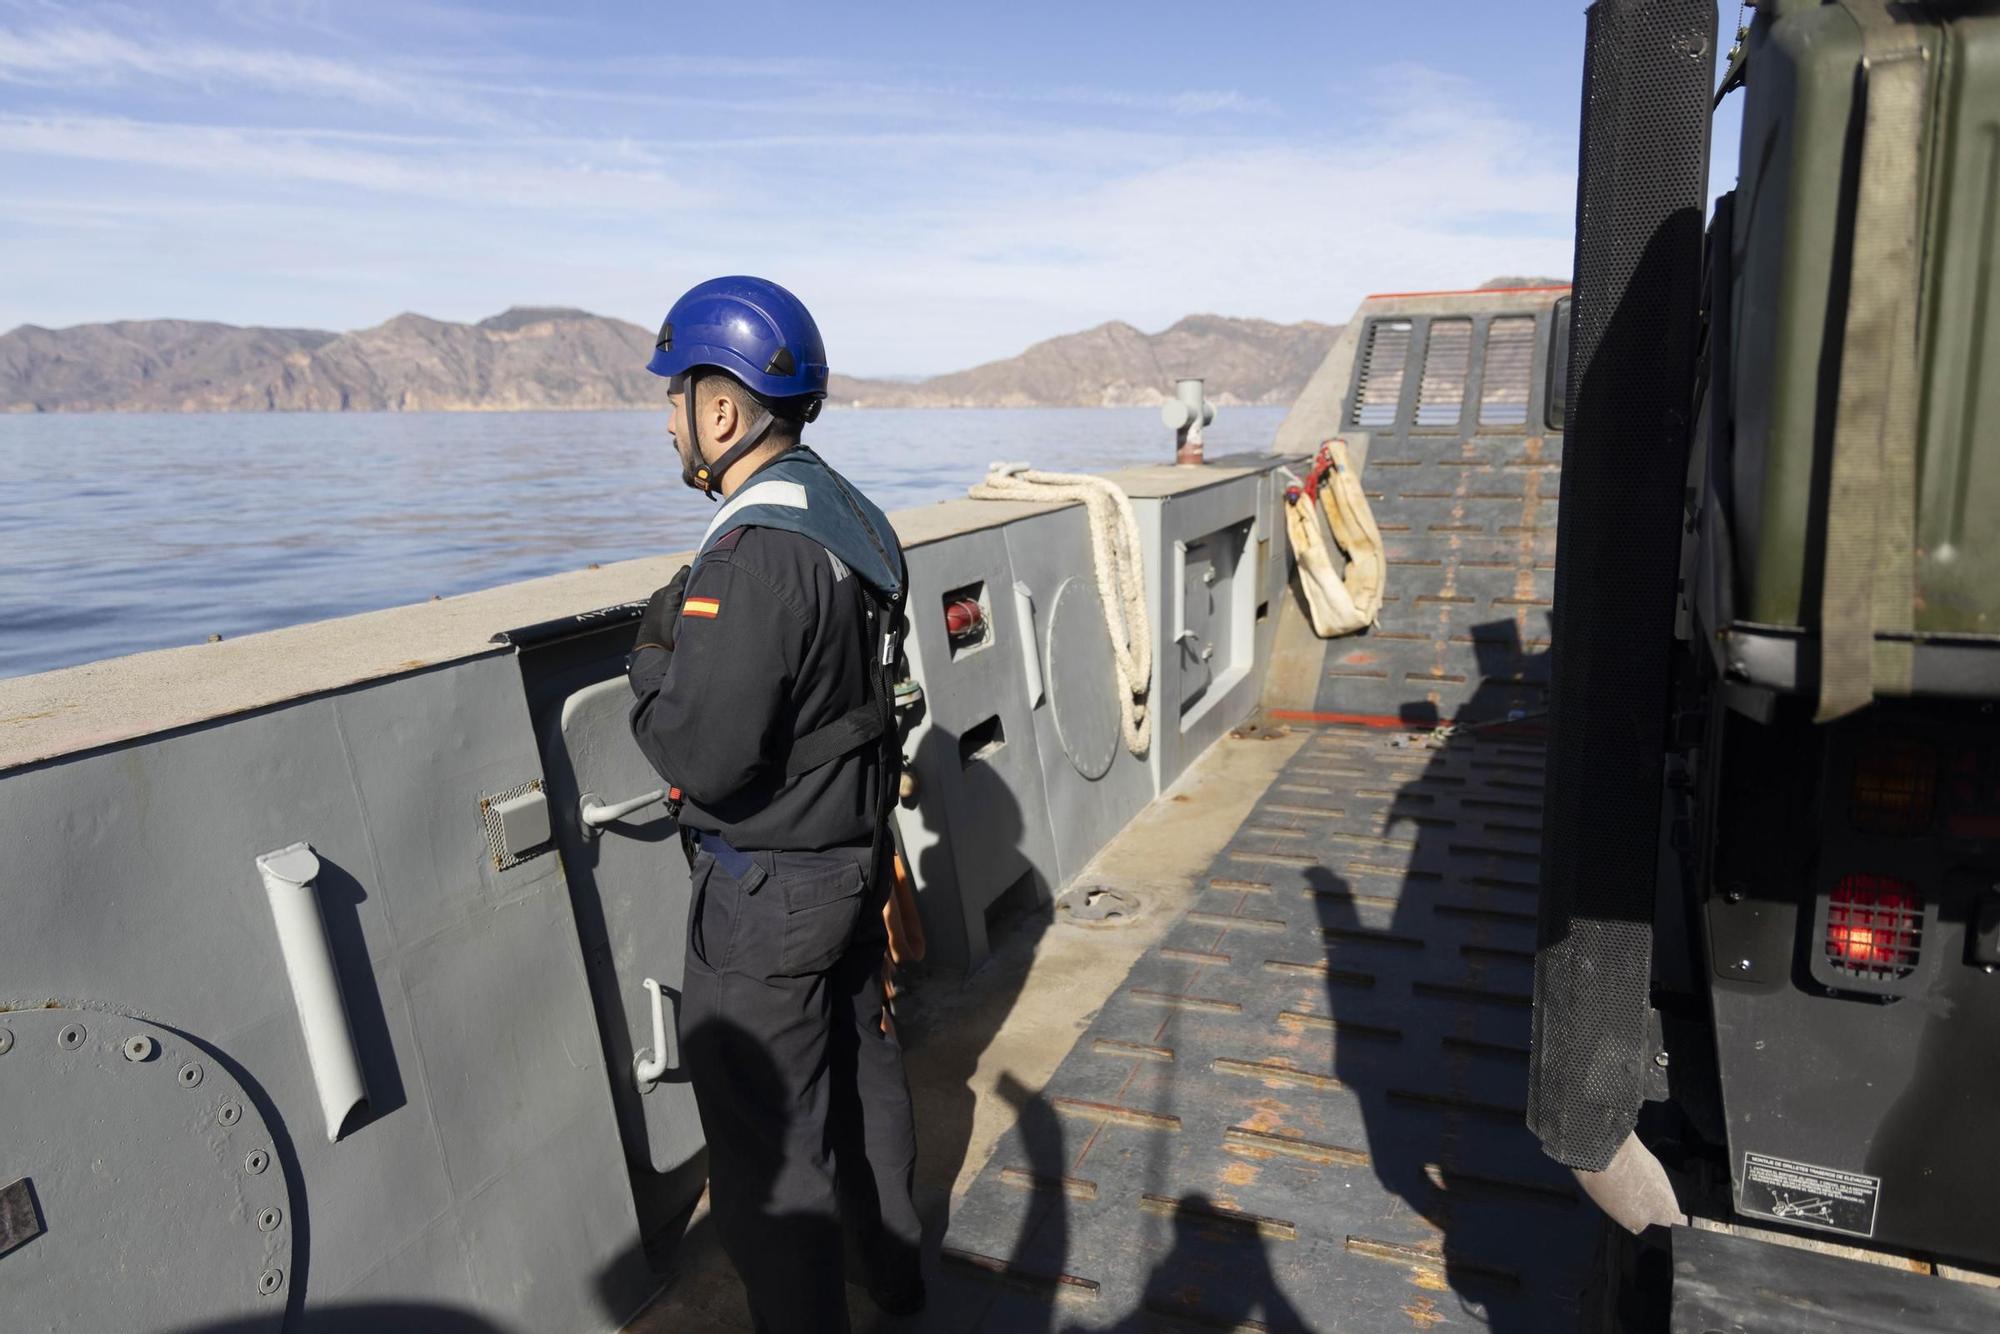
<point>1428,986</point>
<point>946,1024</point>
<point>1041,1244</point>
<point>1217,1273</point>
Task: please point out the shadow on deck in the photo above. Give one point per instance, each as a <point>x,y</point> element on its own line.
<point>1304,1109</point>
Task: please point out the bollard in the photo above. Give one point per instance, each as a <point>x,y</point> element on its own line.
<point>1185,414</point>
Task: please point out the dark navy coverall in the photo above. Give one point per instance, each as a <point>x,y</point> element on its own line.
<point>802,1096</point>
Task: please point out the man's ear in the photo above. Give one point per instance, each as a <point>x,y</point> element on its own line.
<point>724,416</point>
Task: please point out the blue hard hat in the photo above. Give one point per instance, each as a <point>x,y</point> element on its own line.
<point>750,327</point>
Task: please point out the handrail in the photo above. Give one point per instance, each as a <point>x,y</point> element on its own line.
<point>596,816</point>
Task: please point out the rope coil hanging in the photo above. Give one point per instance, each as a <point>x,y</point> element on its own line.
<point>1121,580</point>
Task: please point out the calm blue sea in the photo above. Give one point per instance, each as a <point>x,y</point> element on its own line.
<point>127,532</point>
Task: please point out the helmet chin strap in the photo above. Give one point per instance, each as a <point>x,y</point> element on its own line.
<point>707,477</point>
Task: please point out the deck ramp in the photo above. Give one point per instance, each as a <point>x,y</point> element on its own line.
<point>1304,1108</point>
<point>1467,512</point>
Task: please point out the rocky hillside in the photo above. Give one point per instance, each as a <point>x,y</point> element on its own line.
<point>532,358</point>
<point>525,358</point>
<point>145,365</point>
<point>1244,361</point>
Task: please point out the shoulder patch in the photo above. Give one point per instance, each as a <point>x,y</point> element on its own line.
<point>706,608</point>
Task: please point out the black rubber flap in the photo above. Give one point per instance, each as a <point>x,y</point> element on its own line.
<point>1641,196</point>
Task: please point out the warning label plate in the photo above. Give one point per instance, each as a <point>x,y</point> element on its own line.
<point>1809,1196</point>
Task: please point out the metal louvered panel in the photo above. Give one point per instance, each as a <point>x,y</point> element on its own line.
<point>1467,517</point>
<point>1508,369</point>
<point>1447,358</point>
<point>1380,393</point>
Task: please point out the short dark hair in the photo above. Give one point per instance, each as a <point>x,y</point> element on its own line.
<point>715,383</point>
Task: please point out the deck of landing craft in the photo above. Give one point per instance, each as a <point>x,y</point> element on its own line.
<point>1301,1108</point>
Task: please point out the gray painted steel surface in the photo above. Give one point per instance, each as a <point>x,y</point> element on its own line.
<point>1051,556</point>
<point>978,827</point>
<point>1236,618</point>
<point>486,1176</point>
<point>628,883</point>
<point>152,1172</point>
<point>1086,714</point>
<point>1000,809</point>
<point>1303,1110</point>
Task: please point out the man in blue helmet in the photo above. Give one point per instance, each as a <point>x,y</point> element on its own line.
<point>764,698</point>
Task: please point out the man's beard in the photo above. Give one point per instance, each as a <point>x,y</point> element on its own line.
<point>689,464</point>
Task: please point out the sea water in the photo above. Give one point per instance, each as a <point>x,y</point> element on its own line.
<point>124,532</point>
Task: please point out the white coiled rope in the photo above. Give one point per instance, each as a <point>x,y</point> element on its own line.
<point>1121,579</point>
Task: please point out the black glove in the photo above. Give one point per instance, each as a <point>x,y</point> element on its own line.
<point>663,612</point>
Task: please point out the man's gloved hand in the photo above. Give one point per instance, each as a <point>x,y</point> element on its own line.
<point>663,610</point>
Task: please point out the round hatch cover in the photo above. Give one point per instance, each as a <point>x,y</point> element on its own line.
<point>138,1190</point>
<point>1083,681</point>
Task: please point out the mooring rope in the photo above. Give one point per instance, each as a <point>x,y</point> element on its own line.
<point>1121,580</point>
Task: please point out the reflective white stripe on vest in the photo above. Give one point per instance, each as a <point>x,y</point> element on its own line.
<point>783,495</point>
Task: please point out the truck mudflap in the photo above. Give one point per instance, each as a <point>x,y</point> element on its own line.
<point>1641,192</point>
<point>1724,1283</point>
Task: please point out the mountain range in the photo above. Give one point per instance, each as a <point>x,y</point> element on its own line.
<point>548,357</point>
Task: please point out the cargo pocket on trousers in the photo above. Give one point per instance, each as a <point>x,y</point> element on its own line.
<point>715,908</point>
<point>821,909</point>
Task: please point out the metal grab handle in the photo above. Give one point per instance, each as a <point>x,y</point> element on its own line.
<point>1031,662</point>
<point>650,1063</point>
<point>595,817</point>
<point>291,882</point>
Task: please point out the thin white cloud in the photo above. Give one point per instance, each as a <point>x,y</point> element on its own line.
<point>82,57</point>
<point>585,180</point>
<point>466,89</point>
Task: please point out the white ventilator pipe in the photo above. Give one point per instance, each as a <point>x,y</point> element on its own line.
<point>291,877</point>
<point>1121,579</point>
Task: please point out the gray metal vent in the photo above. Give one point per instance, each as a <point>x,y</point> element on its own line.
<point>503,844</point>
<point>1447,358</point>
<point>1508,370</point>
<point>1383,365</point>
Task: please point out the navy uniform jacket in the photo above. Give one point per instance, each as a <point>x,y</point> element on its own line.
<point>771,644</point>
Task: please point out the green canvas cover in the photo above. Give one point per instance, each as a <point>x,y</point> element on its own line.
<point>1793,255</point>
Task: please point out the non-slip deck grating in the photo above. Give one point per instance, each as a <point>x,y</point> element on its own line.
<point>1303,1109</point>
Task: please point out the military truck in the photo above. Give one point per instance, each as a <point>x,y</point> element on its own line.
<point>1766,991</point>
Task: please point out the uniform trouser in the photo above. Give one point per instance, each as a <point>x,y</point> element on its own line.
<point>802,1097</point>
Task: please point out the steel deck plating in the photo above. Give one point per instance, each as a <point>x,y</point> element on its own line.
<point>1303,1110</point>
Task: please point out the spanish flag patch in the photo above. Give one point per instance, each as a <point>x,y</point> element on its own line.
<point>710,608</point>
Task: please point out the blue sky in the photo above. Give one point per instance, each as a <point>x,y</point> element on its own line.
<point>944,183</point>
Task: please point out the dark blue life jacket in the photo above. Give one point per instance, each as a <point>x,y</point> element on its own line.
<point>801,494</point>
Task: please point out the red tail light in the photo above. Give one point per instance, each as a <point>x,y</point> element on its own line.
<point>1874,927</point>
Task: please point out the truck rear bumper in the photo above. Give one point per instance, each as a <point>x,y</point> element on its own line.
<point>1727,1284</point>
